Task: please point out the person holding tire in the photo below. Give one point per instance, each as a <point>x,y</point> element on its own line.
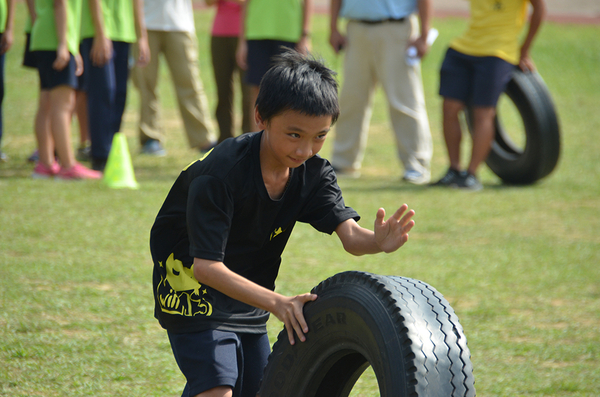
<point>217,241</point>
<point>475,71</point>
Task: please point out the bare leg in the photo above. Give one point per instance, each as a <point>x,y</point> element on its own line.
<point>253,95</point>
<point>42,130</point>
<point>82,117</point>
<point>62,104</point>
<point>483,135</point>
<point>452,130</point>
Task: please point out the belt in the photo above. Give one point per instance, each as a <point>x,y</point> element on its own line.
<point>378,21</point>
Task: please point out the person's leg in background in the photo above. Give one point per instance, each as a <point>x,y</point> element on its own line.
<point>245,99</point>
<point>455,89</point>
<point>356,99</point>
<point>223,62</point>
<point>181,54</point>
<point>146,80</point>
<point>492,75</point>
<point>101,93</point>
<point>121,65</point>
<point>43,135</point>
<point>403,87</point>
<point>452,130</point>
<point>84,149</point>
<point>57,102</point>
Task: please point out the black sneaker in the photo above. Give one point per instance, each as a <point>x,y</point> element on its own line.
<point>450,179</point>
<point>468,181</point>
<point>98,164</point>
<point>84,153</point>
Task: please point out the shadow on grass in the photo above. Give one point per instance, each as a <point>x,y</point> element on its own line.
<point>375,184</point>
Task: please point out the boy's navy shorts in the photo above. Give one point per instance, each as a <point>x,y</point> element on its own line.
<point>50,78</point>
<point>213,358</point>
<point>259,59</point>
<point>475,81</point>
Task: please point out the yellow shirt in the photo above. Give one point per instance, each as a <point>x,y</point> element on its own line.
<point>494,29</point>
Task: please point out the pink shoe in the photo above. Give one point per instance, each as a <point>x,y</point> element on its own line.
<point>78,171</point>
<point>42,171</point>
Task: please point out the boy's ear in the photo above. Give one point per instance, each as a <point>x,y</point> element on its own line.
<point>260,123</point>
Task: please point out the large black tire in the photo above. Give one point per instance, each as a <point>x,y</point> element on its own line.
<point>539,157</point>
<point>403,328</point>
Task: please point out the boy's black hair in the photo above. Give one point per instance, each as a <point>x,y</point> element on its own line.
<point>300,83</point>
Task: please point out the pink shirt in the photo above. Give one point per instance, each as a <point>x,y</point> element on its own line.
<point>227,20</point>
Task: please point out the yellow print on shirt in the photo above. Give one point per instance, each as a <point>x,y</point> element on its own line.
<point>195,161</point>
<point>180,292</point>
<point>276,233</point>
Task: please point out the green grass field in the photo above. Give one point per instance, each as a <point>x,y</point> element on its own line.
<point>518,264</point>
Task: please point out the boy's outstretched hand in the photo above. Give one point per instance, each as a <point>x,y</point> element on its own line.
<point>393,233</point>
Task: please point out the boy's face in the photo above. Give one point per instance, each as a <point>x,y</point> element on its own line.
<point>291,137</point>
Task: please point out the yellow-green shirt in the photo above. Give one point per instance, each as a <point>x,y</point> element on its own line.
<point>494,29</point>
<point>119,23</point>
<point>43,33</point>
<point>274,20</point>
<point>3,12</point>
<point>28,24</point>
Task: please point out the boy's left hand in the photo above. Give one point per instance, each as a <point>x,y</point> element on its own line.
<point>393,233</point>
<point>288,309</point>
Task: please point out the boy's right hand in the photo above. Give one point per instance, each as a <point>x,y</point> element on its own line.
<point>289,311</point>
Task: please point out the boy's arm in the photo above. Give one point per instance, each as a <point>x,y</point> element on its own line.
<point>387,236</point>
<point>7,36</point>
<point>287,309</point>
<point>537,16</point>
<point>102,49</point>
<point>141,32</point>
<point>62,50</point>
<point>303,45</point>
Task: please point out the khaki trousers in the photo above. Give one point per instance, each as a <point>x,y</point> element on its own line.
<point>376,54</point>
<point>181,54</point>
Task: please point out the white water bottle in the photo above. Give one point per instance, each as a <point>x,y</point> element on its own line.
<point>412,57</point>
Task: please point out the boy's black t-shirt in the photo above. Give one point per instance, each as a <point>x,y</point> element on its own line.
<point>219,209</point>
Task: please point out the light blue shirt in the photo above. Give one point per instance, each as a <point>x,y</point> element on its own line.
<point>375,10</point>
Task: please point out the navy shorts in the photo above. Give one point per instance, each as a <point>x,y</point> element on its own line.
<point>50,78</point>
<point>28,57</point>
<point>475,81</point>
<point>260,55</point>
<point>214,358</point>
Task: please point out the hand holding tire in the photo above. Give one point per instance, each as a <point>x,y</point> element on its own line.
<point>289,310</point>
